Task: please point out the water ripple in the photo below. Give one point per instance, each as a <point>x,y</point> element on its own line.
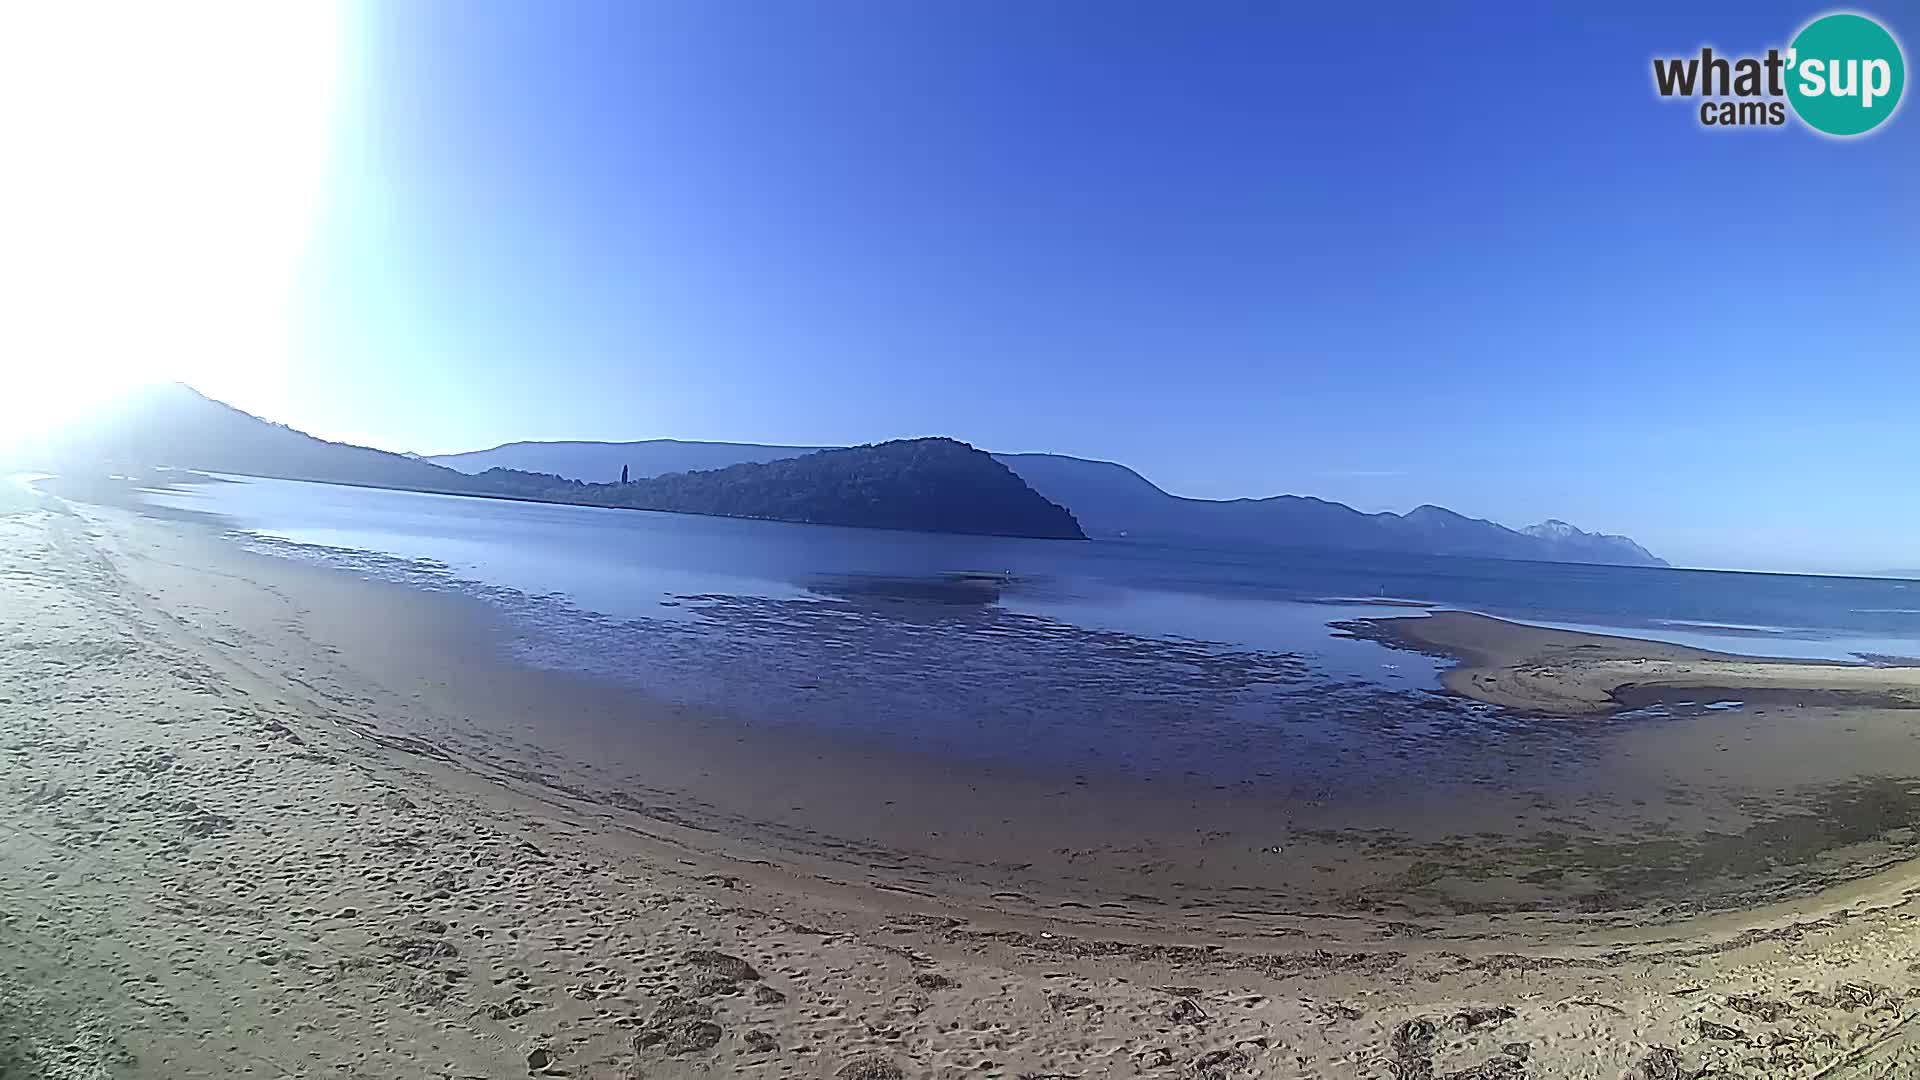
<point>981,682</point>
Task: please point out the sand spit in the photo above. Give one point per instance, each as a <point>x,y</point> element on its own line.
<point>1566,672</point>
<point>223,857</point>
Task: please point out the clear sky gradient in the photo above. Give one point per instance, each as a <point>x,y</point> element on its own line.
<point>1382,255</point>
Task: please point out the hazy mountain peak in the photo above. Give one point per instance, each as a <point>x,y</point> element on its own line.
<point>1592,547</point>
<point>602,462</point>
<point>174,424</point>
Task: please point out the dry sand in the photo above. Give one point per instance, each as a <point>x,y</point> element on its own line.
<point>229,848</point>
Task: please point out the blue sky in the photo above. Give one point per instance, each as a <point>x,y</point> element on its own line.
<point>1387,256</point>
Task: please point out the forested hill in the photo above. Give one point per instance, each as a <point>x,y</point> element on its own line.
<point>931,485</point>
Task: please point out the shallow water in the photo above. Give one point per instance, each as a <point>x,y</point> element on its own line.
<point>1216,666</point>
<point>985,702</point>
<point>1785,642</point>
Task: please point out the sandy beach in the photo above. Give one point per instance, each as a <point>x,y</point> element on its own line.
<point>264,819</point>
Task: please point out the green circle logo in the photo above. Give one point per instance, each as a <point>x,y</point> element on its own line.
<point>1845,74</point>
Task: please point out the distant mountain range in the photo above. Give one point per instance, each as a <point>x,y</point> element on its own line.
<point>933,484</point>
<point>929,484</point>
<point>1111,500</point>
<point>601,462</point>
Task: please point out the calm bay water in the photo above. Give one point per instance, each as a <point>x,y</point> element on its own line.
<point>1208,663</point>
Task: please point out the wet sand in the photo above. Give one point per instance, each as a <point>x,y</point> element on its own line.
<point>265,819</point>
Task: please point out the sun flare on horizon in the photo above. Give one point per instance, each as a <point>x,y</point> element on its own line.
<point>167,164</point>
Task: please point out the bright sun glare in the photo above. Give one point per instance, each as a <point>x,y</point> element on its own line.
<point>164,172</point>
